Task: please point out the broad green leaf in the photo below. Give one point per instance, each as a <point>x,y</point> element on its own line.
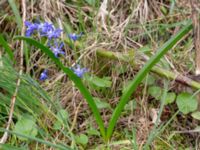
<point>196,115</point>
<point>81,139</point>
<point>170,98</point>
<point>186,103</point>
<point>101,104</point>
<point>98,82</point>
<point>155,91</point>
<point>26,125</point>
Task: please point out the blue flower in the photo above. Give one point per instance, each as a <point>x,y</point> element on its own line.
<point>43,28</point>
<point>79,71</point>
<point>31,27</point>
<point>57,49</point>
<point>54,33</point>
<point>74,36</point>
<point>43,75</point>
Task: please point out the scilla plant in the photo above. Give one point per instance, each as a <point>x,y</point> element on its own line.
<point>75,77</point>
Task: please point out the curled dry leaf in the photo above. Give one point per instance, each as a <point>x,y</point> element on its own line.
<point>154,116</point>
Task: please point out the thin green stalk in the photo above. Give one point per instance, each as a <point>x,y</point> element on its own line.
<point>6,47</point>
<point>75,79</point>
<point>155,130</point>
<point>16,13</point>
<point>142,73</point>
<point>18,19</point>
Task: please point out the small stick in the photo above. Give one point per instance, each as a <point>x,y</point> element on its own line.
<point>196,31</point>
<point>13,99</point>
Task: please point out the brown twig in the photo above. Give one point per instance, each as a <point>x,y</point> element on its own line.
<point>196,30</point>
<point>13,99</point>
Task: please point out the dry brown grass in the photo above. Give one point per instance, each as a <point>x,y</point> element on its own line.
<point>115,24</point>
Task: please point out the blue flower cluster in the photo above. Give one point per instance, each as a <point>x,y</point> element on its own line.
<point>74,36</point>
<point>79,71</point>
<point>53,35</point>
<point>50,32</point>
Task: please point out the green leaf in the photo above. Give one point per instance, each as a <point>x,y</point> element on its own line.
<point>196,115</point>
<point>91,2</point>
<point>77,81</point>
<point>10,147</point>
<point>155,91</point>
<point>59,146</point>
<point>16,12</point>
<point>132,105</point>
<point>81,139</point>
<point>26,125</point>
<point>126,86</point>
<point>147,49</point>
<point>149,80</point>
<point>186,103</point>
<point>93,131</point>
<point>6,47</point>
<point>98,82</point>
<point>120,69</point>
<point>61,115</point>
<point>143,72</point>
<point>170,98</point>
<point>101,104</point>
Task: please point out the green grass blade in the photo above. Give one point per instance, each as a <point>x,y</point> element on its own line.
<point>74,78</point>
<point>37,140</point>
<point>142,73</point>
<point>6,47</point>
<point>16,13</point>
<point>19,22</point>
<point>155,130</point>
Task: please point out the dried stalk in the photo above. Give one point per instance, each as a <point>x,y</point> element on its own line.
<point>196,30</point>
<point>162,72</point>
<point>13,99</point>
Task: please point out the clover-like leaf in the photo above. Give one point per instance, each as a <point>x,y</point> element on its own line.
<point>81,139</point>
<point>155,91</point>
<point>170,97</point>
<point>186,102</point>
<point>196,115</point>
<point>26,125</point>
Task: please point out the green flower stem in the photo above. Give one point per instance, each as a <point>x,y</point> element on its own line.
<point>77,81</point>
<point>142,73</point>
